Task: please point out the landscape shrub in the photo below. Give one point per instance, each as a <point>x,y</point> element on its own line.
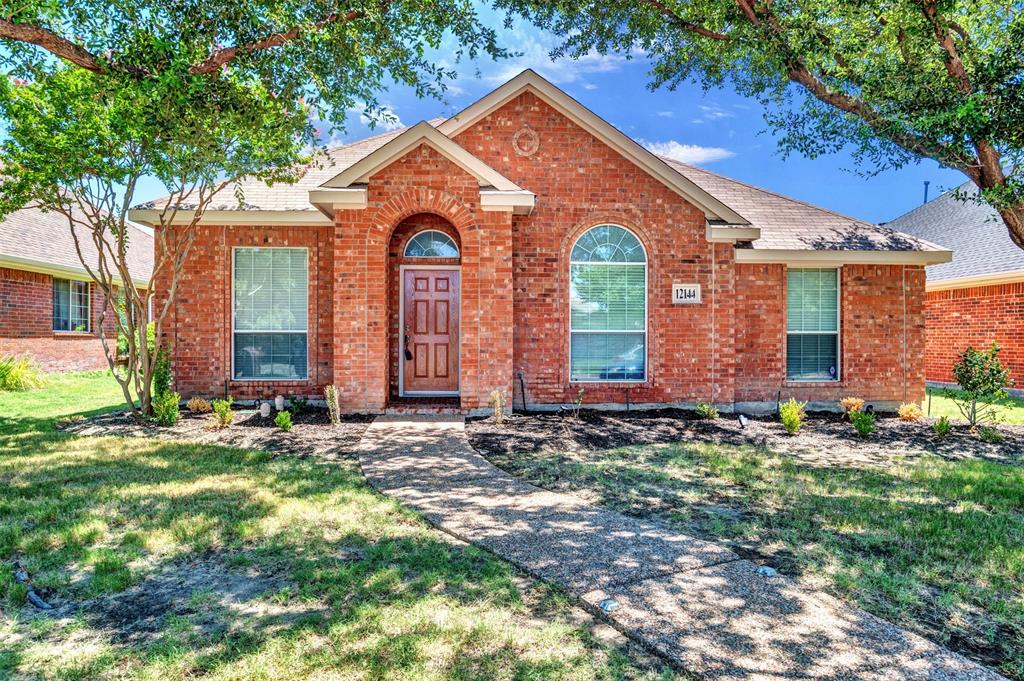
<point>983,381</point>
<point>863,422</point>
<point>19,373</point>
<point>942,427</point>
<point>299,405</point>
<point>851,405</point>
<point>706,410</point>
<point>166,408</point>
<point>910,412</point>
<point>162,373</point>
<point>792,415</point>
<point>222,412</point>
<point>197,405</point>
<point>990,435</point>
<point>283,420</point>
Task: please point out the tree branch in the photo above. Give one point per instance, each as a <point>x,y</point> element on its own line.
<point>679,22</point>
<point>220,58</point>
<point>954,65</point>
<point>51,42</point>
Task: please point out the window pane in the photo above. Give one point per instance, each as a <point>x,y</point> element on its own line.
<point>608,243</point>
<point>61,305</point>
<point>607,356</point>
<point>271,289</point>
<point>607,297</point>
<point>79,306</point>
<point>812,300</point>
<point>812,357</point>
<point>271,356</point>
<point>431,244</point>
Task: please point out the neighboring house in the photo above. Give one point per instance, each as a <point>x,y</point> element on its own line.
<point>529,248</point>
<point>978,297</point>
<point>49,308</point>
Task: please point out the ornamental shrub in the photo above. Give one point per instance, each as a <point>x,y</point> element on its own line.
<point>197,405</point>
<point>942,427</point>
<point>706,410</point>
<point>792,415</point>
<point>283,420</point>
<point>910,412</point>
<point>19,373</point>
<point>983,381</point>
<point>851,404</point>
<point>166,408</point>
<point>222,412</point>
<point>863,422</point>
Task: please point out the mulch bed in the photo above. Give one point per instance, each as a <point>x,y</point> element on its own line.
<point>311,435</point>
<point>826,439</point>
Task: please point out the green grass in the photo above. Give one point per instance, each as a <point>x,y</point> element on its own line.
<point>933,545</point>
<point>356,586</point>
<point>1010,412</point>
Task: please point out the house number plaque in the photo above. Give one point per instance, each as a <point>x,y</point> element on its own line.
<point>685,294</point>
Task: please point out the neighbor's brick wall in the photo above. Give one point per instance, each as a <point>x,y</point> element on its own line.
<point>26,325</point>
<point>875,364</point>
<point>975,316</point>
<point>581,182</point>
<point>198,329</point>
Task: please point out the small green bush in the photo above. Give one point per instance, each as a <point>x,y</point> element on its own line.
<point>863,422</point>
<point>990,435</point>
<point>162,373</point>
<point>706,410</point>
<point>222,412</point>
<point>19,373</point>
<point>299,405</point>
<point>166,408</point>
<point>792,415</point>
<point>942,427</point>
<point>283,420</point>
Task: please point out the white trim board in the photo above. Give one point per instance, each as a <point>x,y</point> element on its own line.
<point>808,258</point>
<point>993,279</point>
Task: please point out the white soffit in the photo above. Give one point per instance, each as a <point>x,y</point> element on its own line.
<point>531,81</point>
<point>151,218</point>
<point>799,258</point>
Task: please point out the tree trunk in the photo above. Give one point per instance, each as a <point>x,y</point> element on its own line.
<point>1013,216</point>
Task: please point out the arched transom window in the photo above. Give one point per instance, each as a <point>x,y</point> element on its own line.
<point>608,306</point>
<point>431,244</point>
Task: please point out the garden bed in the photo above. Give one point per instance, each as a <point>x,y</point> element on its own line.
<point>311,435</point>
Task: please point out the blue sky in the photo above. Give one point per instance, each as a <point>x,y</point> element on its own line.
<point>718,130</point>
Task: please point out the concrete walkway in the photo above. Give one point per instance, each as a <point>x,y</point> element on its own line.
<point>694,602</point>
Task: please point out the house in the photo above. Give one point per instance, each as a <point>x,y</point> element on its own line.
<point>50,310</point>
<point>528,248</point>
<point>978,297</point>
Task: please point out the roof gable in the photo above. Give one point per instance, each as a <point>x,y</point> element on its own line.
<point>531,81</point>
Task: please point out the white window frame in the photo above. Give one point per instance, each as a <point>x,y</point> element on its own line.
<point>647,309</point>
<point>234,252</point>
<point>838,332</point>
<point>405,251</point>
<point>88,305</point>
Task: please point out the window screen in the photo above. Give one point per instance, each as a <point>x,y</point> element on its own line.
<point>812,324</point>
<point>270,313</point>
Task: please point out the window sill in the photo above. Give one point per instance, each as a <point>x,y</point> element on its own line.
<point>817,383</point>
<point>74,334</point>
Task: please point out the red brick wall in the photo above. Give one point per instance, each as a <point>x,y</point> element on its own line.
<point>26,325</point>
<point>975,316</point>
<point>875,361</point>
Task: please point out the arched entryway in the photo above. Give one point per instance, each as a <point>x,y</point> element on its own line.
<point>424,285</point>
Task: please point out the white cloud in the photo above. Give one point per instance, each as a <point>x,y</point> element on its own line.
<point>713,112</point>
<point>687,153</point>
<point>665,114</point>
<point>383,119</point>
<point>589,86</point>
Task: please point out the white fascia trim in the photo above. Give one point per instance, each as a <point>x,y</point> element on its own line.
<point>236,217</point>
<point>723,234</point>
<point>975,280</point>
<point>421,133</point>
<point>600,128</point>
<point>60,271</point>
<point>837,258</point>
<point>330,200</point>
<point>520,202</point>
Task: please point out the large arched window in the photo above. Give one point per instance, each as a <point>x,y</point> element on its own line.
<point>607,306</point>
<point>431,244</point>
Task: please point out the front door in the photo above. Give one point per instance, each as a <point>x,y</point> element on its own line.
<point>430,331</point>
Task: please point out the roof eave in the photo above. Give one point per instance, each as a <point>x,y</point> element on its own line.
<point>818,258</point>
<point>234,217</point>
<point>61,271</point>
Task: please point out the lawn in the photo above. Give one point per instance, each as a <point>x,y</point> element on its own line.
<point>1010,411</point>
<point>173,561</point>
<point>933,544</point>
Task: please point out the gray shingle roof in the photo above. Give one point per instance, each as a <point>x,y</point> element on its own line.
<point>45,238</point>
<point>972,230</point>
<point>785,223</point>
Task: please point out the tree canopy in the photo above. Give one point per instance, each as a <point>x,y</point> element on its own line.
<point>897,80</point>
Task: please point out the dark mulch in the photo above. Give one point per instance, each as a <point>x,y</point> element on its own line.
<point>827,439</point>
<point>311,435</point>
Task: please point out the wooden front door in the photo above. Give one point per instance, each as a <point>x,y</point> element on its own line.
<point>430,330</point>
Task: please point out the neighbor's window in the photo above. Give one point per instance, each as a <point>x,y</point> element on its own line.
<point>70,305</point>
<point>608,306</point>
<point>431,244</point>
<point>270,310</point>
<point>812,325</point>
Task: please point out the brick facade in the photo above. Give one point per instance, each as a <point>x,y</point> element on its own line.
<point>26,325</point>
<point>977,316</point>
<point>729,349</point>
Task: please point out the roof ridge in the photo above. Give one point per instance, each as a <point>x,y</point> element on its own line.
<point>396,131</point>
<point>673,162</point>
<point>929,202</point>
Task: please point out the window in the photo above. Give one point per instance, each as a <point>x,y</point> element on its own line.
<point>270,310</point>
<point>70,305</point>
<point>812,325</point>
<point>431,244</point>
<point>608,306</point>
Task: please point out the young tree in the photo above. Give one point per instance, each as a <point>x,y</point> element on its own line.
<point>898,80</point>
<point>98,95</point>
<point>982,381</point>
